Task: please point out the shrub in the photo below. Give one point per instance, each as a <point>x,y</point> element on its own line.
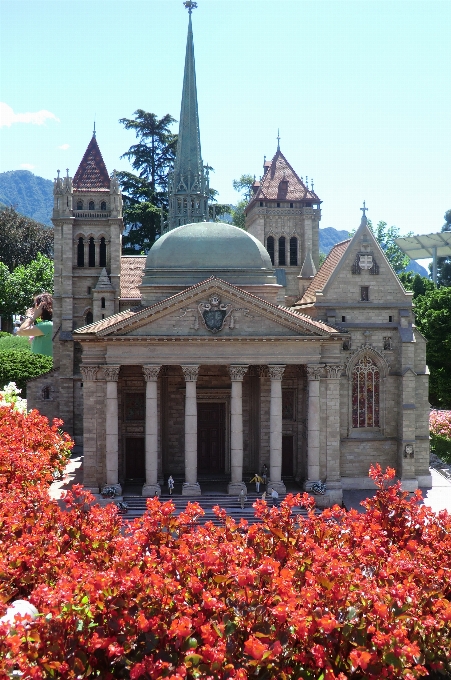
<point>14,342</point>
<point>338,596</point>
<point>19,366</point>
<point>440,431</point>
<point>4,334</point>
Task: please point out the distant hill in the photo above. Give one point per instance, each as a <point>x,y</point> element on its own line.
<point>329,236</point>
<point>28,194</point>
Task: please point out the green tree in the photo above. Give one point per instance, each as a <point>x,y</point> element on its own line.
<point>419,285</point>
<point>386,236</point>
<point>244,186</point>
<point>444,263</point>
<point>21,239</point>
<point>145,193</point>
<point>433,319</point>
<point>18,286</point>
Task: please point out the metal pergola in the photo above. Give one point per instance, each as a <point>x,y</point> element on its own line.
<point>427,245</point>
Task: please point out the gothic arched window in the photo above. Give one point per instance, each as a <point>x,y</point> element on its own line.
<point>103,205</point>
<point>365,393</point>
<point>79,205</point>
<point>91,253</point>
<point>80,252</point>
<point>91,205</point>
<point>102,252</point>
<point>270,247</point>
<point>293,251</point>
<point>282,259</point>
<point>89,318</point>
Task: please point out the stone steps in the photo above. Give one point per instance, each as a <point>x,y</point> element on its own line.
<point>137,506</point>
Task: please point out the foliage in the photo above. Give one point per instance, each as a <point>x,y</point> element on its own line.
<point>11,395</point>
<point>244,186</point>
<point>16,342</point>
<point>145,194</point>
<point>342,595</point>
<point>433,318</point>
<point>386,236</point>
<point>440,430</point>
<point>444,263</point>
<point>322,257</point>
<point>419,285</point>
<point>22,239</point>
<point>29,194</point>
<point>18,286</point>
<point>19,366</point>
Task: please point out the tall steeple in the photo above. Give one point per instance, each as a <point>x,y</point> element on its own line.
<point>188,185</point>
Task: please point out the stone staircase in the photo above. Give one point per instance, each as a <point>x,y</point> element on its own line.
<point>137,506</point>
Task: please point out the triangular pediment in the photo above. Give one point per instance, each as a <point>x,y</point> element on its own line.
<point>213,307</point>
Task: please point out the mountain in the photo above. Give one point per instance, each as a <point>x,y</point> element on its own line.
<point>329,236</point>
<point>28,194</point>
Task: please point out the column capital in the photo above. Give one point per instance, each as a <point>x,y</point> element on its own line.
<point>151,372</point>
<point>111,373</point>
<point>334,371</point>
<point>190,373</point>
<point>314,371</point>
<point>276,371</point>
<point>89,372</point>
<point>237,372</point>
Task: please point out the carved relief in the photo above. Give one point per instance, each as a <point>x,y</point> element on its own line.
<point>190,373</point>
<point>334,370</point>
<point>262,372</point>
<point>151,373</point>
<point>213,315</point>
<point>89,372</point>
<point>276,372</point>
<point>237,372</point>
<point>314,371</point>
<point>111,373</point>
<point>365,262</point>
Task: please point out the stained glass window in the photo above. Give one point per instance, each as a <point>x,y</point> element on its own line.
<point>365,393</point>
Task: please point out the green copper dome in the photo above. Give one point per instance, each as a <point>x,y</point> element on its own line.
<point>194,252</point>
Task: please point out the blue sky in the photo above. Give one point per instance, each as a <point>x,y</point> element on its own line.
<point>360,91</point>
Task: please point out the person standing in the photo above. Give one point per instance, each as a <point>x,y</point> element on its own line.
<point>275,498</point>
<point>170,484</point>
<point>258,480</point>
<point>41,331</point>
<point>265,474</point>
<point>242,498</point>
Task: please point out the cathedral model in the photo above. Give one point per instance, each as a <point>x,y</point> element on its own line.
<point>226,349</point>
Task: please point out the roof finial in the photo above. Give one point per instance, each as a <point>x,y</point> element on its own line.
<point>311,181</point>
<point>190,5</point>
<point>67,172</point>
<point>278,139</point>
<point>364,209</point>
<point>94,131</point>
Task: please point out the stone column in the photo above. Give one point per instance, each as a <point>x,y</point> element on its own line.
<point>313,424</point>
<point>151,487</point>
<point>333,480</point>
<point>191,485</point>
<point>237,374</point>
<point>275,424</point>
<point>112,427</point>
<point>90,472</point>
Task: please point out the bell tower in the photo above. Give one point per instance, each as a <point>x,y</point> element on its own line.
<point>87,216</point>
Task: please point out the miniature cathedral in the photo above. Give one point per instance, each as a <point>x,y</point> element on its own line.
<point>225,349</point>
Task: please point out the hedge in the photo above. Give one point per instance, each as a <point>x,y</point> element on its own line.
<point>8,341</point>
<point>19,366</point>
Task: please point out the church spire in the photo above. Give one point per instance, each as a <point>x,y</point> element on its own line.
<point>188,186</point>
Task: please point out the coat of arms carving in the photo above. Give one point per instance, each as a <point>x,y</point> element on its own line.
<point>214,313</point>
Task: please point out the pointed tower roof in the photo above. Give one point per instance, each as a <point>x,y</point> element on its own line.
<point>188,180</point>
<point>281,183</point>
<point>92,174</point>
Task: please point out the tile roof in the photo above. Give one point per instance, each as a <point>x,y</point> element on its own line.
<point>324,273</point>
<point>132,270</point>
<point>92,174</point>
<point>116,319</point>
<point>281,183</point>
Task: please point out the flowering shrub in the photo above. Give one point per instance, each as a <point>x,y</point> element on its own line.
<point>11,395</point>
<point>335,596</point>
<point>440,431</point>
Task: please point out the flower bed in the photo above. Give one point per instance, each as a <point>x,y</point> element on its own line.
<point>440,431</point>
<point>336,596</point>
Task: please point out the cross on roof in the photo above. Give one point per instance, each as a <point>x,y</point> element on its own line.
<point>278,139</point>
<point>190,5</point>
<point>364,209</point>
